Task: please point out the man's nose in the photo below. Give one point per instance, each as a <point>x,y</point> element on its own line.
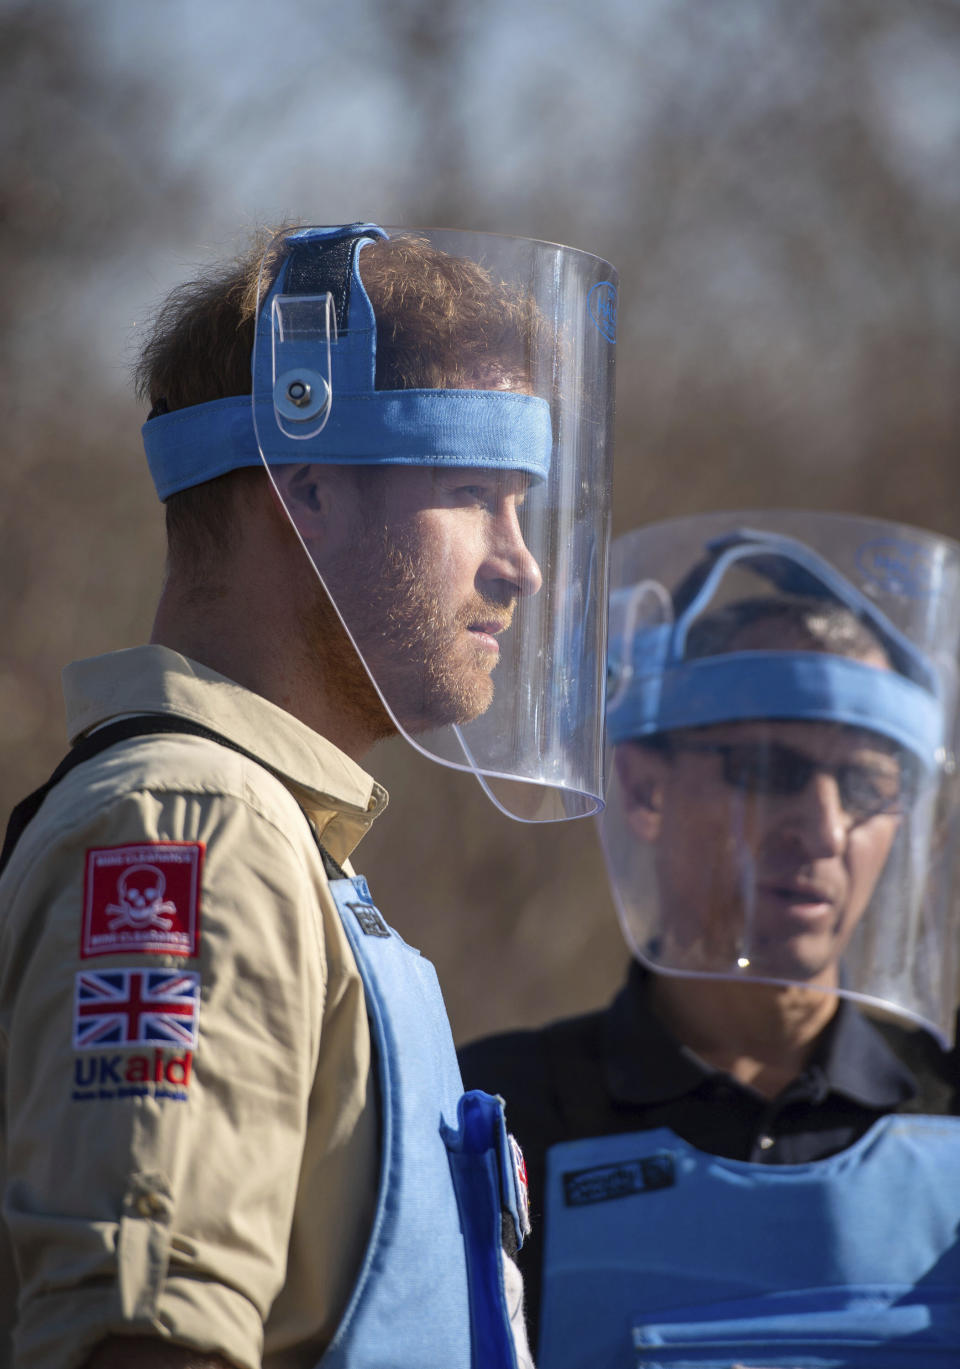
<point>509,558</point>
<point>818,818</point>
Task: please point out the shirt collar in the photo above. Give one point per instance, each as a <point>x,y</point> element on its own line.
<point>856,1061</point>
<point>644,1061</point>
<point>341,799</point>
<point>646,1064</point>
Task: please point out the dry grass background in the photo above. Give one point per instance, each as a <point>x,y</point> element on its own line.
<point>782,202</point>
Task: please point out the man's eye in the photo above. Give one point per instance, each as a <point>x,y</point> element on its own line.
<point>879,785</point>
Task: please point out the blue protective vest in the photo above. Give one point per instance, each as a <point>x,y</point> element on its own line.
<point>430,1290</point>
<point>658,1254</point>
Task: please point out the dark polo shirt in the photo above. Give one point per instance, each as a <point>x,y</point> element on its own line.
<point>621,1070</point>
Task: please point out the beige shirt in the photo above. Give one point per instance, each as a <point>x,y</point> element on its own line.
<point>216,1190</point>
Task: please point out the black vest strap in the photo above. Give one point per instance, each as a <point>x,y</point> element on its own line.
<point>144,725</point>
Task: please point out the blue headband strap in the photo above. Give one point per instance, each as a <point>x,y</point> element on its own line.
<point>814,686</point>
<point>492,429</point>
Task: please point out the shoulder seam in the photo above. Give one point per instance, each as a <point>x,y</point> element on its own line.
<point>242,795</point>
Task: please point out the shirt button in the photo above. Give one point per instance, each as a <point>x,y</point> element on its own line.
<point>150,1205</point>
<point>765,1142</point>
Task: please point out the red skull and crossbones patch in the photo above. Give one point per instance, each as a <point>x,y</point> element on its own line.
<point>142,898</point>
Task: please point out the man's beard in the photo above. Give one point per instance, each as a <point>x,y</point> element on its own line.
<point>428,672</point>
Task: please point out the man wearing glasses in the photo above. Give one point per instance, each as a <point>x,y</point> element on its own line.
<point>746,1159</point>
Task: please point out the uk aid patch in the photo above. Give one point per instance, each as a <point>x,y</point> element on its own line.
<point>143,899</point>
<point>135,1007</point>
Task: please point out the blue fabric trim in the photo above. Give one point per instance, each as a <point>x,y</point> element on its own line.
<point>192,445</point>
<point>744,685</point>
<point>492,429</point>
<point>475,1151</point>
<point>416,1258</point>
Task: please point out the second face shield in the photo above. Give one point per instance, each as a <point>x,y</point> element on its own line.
<point>435,409</point>
<point>782,718</point>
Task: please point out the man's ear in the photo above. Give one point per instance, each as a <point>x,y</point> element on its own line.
<point>642,772</point>
<point>302,491</point>
<point>321,500</point>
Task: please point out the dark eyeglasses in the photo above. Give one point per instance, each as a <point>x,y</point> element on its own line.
<point>771,769</point>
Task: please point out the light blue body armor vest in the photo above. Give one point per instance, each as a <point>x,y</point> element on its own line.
<point>430,1290</point>
<point>657,1254</point>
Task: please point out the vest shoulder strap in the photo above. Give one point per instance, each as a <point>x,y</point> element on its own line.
<point>143,725</point>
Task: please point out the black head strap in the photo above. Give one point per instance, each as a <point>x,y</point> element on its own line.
<point>324,267</point>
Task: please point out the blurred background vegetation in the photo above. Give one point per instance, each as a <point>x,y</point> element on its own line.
<point>778,183</point>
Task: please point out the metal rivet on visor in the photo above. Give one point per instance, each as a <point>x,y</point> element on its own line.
<point>300,395</point>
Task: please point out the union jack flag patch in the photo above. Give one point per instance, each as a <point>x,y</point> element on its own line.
<point>135,1007</point>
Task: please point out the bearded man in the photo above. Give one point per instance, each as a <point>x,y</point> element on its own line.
<point>234,1130</point>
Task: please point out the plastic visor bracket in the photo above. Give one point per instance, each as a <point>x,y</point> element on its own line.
<point>627,604</point>
<point>303,327</point>
<point>797,569</point>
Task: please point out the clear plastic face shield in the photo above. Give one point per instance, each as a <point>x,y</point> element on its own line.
<point>435,411</point>
<point>782,715</point>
